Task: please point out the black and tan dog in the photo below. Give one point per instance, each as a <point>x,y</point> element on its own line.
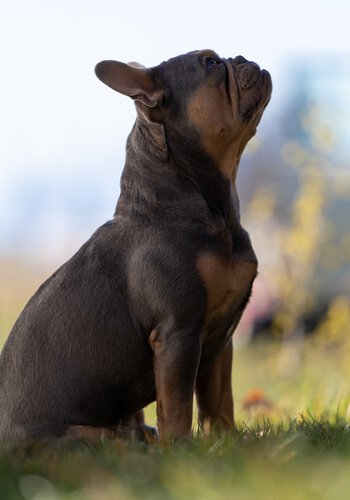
<point>146,308</point>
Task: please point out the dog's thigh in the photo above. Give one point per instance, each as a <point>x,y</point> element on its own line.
<point>214,392</point>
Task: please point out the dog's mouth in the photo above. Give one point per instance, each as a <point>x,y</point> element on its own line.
<point>253,86</point>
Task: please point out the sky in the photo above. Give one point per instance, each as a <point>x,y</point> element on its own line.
<point>61,128</point>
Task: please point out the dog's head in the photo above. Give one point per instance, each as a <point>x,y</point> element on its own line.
<point>215,100</point>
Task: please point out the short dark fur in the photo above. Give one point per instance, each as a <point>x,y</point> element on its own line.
<point>83,350</point>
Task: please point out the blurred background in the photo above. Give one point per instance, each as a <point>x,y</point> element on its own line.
<point>62,142</point>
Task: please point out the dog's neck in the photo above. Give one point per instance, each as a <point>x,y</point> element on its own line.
<point>167,173</point>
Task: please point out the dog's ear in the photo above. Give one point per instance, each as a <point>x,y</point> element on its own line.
<point>130,79</point>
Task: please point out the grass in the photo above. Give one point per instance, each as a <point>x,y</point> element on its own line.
<point>306,459</point>
<point>292,405</point>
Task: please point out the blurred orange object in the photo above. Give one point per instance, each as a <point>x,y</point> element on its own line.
<point>257,400</point>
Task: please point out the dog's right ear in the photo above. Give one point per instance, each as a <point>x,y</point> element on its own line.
<point>129,79</point>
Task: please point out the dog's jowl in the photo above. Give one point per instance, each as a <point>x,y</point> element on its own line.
<point>146,309</point>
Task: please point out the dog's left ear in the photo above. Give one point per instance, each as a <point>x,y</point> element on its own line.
<point>130,79</point>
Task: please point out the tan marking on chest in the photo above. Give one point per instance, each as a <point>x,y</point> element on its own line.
<point>227,282</point>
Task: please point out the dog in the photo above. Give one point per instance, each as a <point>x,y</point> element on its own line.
<point>146,309</point>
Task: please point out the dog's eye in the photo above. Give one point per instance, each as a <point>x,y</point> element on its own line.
<point>211,62</point>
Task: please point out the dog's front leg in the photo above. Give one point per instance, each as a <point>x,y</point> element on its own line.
<point>176,359</point>
<point>214,392</point>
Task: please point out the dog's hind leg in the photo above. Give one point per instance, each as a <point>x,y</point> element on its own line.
<point>89,433</point>
<point>135,426</point>
<point>214,392</point>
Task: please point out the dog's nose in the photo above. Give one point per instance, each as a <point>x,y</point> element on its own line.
<point>239,60</point>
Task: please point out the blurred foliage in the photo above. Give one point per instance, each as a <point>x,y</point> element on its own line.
<point>304,250</point>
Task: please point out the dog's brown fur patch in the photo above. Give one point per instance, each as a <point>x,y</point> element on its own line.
<point>227,282</point>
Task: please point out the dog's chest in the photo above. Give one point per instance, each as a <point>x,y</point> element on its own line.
<point>228,283</point>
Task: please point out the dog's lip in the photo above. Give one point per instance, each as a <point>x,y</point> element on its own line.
<point>231,88</point>
<point>266,77</point>
<point>266,84</point>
